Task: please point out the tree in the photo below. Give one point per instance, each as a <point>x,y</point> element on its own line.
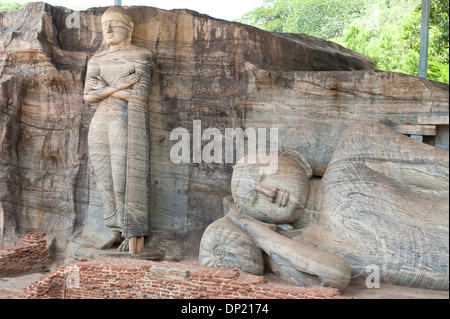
<point>438,64</point>
<point>326,19</point>
<point>388,31</point>
<point>390,35</point>
<point>8,5</point>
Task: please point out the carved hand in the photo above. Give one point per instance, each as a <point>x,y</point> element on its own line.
<point>300,257</point>
<point>96,83</point>
<point>101,90</point>
<point>127,81</point>
<point>123,94</point>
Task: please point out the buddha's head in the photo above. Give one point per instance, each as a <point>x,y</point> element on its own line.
<point>278,198</point>
<point>117,26</point>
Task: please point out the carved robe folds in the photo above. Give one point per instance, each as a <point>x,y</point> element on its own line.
<point>119,140</point>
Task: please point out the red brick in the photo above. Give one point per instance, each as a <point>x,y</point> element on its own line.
<point>28,256</point>
<point>132,275</point>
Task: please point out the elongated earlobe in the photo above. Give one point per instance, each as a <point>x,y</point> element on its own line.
<point>130,32</point>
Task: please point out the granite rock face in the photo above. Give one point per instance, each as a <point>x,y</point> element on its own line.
<point>381,206</point>
<point>225,74</point>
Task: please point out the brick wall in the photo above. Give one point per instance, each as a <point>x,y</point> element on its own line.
<point>31,255</point>
<point>119,278</point>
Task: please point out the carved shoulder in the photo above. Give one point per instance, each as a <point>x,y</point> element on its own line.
<point>141,54</point>
<point>98,55</point>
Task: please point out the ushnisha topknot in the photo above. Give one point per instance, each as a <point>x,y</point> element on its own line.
<point>117,13</point>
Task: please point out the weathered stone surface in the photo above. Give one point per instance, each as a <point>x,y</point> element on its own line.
<point>225,74</point>
<point>225,245</point>
<point>393,193</point>
<point>118,81</point>
<point>381,206</point>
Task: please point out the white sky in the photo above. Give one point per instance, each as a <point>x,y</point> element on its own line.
<point>221,9</point>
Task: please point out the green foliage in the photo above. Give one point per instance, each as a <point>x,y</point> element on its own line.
<point>391,37</point>
<point>325,19</point>
<point>379,34</point>
<point>8,5</point>
<point>438,64</point>
<point>388,31</point>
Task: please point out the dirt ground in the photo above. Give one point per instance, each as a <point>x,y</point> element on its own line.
<point>11,286</point>
<point>358,290</point>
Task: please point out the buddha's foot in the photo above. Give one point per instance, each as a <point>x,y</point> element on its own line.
<point>114,240</point>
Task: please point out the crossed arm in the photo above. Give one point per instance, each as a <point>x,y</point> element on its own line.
<point>128,86</point>
<point>97,89</point>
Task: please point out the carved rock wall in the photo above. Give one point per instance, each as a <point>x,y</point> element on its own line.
<point>225,74</point>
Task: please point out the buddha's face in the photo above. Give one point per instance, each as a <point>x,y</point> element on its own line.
<point>278,198</point>
<point>115,32</point>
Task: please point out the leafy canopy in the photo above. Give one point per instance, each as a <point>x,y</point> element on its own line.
<point>388,31</point>
<point>9,5</point>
